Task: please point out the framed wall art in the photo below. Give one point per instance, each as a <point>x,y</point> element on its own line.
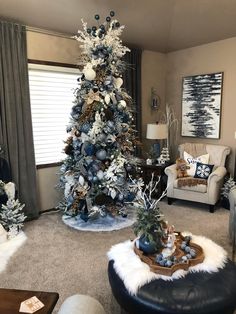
<point>201,105</point>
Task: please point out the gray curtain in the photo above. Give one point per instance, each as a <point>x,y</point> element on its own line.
<point>15,114</point>
<point>132,83</point>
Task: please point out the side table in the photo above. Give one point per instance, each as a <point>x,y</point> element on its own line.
<point>157,170</point>
<point>10,300</point>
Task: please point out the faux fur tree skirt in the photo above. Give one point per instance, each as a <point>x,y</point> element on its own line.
<point>8,248</point>
<point>135,273</point>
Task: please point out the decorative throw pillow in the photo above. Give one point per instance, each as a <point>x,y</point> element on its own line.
<point>192,161</point>
<point>203,170</point>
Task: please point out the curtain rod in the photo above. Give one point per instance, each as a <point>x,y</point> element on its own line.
<point>47,32</point>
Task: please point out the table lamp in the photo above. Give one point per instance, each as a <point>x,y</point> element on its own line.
<point>157,131</point>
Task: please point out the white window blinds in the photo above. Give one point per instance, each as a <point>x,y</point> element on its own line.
<point>51,96</point>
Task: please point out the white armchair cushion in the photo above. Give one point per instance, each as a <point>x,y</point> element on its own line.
<point>195,188</point>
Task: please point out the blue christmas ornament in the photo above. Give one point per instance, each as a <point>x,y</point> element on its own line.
<point>193,253</point>
<point>130,196</point>
<point>89,149</point>
<point>187,238</point>
<point>112,13</point>
<point>85,127</point>
<point>162,262</point>
<point>89,30</point>
<point>168,263</point>
<point>90,178</point>
<point>187,249</point>
<point>95,166</point>
<point>101,154</point>
<point>95,179</point>
<point>120,180</point>
<point>97,17</point>
<point>108,80</point>
<point>108,19</point>
<point>110,87</point>
<point>94,28</point>
<point>101,137</point>
<point>117,24</point>
<point>120,197</point>
<point>159,257</point>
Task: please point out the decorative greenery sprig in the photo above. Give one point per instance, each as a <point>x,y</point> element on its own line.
<point>150,221</point>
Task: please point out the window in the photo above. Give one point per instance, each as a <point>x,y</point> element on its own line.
<point>51,96</point>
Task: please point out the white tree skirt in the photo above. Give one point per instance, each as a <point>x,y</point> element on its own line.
<point>8,248</point>
<point>107,223</point>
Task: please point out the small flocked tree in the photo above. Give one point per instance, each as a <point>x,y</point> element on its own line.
<point>102,136</point>
<point>228,185</point>
<point>11,214</point>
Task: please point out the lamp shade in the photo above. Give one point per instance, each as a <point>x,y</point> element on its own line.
<point>156,131</point>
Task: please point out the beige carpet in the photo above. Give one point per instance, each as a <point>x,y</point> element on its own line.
<point>58,258</point>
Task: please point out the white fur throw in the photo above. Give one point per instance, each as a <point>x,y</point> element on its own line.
<point>135,273</point>
<point>8,248</point>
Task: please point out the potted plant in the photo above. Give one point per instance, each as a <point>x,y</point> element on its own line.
<point>150,226</point>
<point>228,185</point>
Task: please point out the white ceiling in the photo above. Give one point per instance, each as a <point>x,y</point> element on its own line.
<point>161,25</point>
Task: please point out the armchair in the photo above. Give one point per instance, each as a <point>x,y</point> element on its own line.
<point>209,193</point>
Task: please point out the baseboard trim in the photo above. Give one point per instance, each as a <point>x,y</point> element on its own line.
<point>49,211</point>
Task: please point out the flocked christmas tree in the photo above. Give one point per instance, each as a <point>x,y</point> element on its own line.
<point>228,185</point>
<point>11,214</point>
<point>102,135</point>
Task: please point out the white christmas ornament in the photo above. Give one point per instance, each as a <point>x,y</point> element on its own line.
<point>113,193</point>
<point>122,103</point>
<point>107,99</point>
<point>89,73</point>
<point>81,180</point>
<point>100,174</point>
<point>118,82</point>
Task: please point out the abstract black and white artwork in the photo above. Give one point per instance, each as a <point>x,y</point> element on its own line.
<point>201,105</point>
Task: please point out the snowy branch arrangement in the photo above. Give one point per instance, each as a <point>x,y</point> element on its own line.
<point>150,221</point>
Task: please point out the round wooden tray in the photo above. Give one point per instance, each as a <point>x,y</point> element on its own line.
<point>168,271</point>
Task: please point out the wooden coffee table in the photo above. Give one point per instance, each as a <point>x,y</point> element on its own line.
<point>11,299</point>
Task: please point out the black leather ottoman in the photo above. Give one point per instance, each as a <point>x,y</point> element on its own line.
<point>201,293</point>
